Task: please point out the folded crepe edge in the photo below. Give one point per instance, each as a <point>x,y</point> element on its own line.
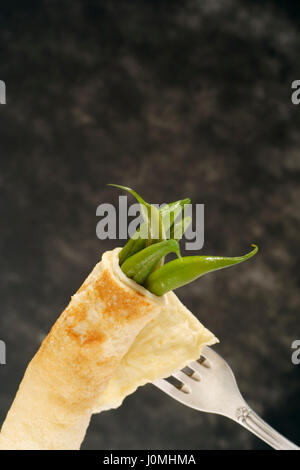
<point>205,338</point>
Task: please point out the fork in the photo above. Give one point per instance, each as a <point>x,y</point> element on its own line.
<point>209,385</point>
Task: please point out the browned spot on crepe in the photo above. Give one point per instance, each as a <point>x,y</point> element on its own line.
<point>117,299</point>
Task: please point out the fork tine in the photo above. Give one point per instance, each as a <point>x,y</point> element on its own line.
<point>169,389</point>
<point>184,378</point>
<point>197,367</point>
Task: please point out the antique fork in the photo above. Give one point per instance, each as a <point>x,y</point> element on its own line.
<point>209,385</point>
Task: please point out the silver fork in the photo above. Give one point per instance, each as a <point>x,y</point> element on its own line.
<point>209,385</point>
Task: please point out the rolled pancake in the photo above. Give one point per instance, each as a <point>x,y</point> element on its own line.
<point>113,337</point>
<point>75,362</point>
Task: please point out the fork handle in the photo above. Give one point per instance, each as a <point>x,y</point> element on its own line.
<point>251,421</point>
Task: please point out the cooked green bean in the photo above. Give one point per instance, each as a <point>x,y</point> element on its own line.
<point>146,234</point>
<point>147,210</point>
<point>132,246</point>
<point>139,266</point>
<point>142,257</point>
<point>177,230</point>
<point>181,271</point>
<point>170,212</point>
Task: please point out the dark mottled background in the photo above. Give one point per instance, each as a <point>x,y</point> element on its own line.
<point>175,98</point>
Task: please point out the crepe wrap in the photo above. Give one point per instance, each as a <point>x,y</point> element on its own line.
<point>112,337</point>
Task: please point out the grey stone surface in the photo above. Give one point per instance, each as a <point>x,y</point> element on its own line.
<point>174,99</point>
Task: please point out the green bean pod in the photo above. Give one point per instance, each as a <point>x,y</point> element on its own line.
<point>139,240</point>
<point>169,213</point>
<point>132,246</point>
<point>177,230</point>
<point>184,270</point>
<point>147,209</point>
<point>139,266</point>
